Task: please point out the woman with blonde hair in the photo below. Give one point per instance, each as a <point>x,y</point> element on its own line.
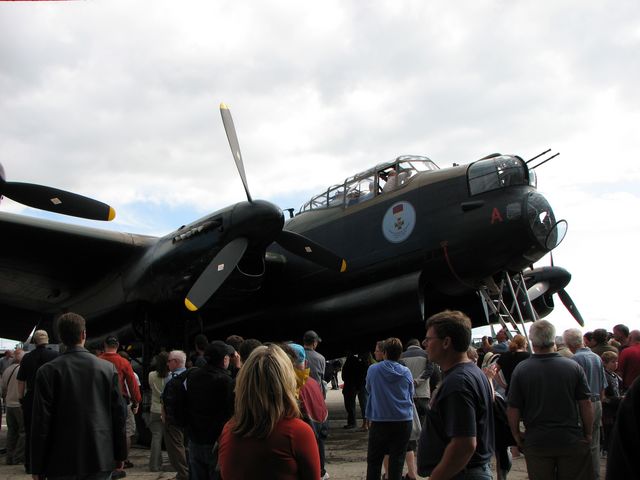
<point>265,438</point>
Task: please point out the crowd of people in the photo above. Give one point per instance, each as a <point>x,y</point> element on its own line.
<point>238,409</point>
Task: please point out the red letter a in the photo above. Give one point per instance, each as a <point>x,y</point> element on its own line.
<point>495,216</point>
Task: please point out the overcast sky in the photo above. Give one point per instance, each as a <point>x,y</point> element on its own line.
<point>119,100</point>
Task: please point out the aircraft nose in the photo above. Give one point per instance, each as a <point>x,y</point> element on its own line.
<point>545,230</point>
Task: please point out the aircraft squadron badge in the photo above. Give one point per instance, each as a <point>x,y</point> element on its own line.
<point>398,222</point>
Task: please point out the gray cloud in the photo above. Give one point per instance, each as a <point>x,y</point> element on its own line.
<point>119,100</point>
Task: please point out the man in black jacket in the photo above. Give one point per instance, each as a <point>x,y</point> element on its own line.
<point>209,405</point>
<point>78,422</point>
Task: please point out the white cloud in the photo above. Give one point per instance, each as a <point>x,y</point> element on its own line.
<point>118,100</point>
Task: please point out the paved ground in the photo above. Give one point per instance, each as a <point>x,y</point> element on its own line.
<point>346,453</point>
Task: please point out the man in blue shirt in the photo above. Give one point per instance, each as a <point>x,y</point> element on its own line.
<point>502,346</point>
<point>591,363</point>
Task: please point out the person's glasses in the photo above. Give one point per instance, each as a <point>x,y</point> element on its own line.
<point>428,339</point>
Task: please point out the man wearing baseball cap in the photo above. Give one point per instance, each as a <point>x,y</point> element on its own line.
<point>26,377</point>
<point>315,360</point>
<point>208,407</point>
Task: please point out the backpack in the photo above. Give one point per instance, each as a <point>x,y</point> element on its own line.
<point>174,399</point>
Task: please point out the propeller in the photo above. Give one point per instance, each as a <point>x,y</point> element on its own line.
<point>216,273</point>
<point>230,129</point>
<point>258,212</point>
<point>548,281</point>
<point>305,248</point>
<point>568,302</point>
<point>55,200</point>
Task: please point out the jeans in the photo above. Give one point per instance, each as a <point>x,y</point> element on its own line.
<point>322,432</point>
<point>89,476</point>
<point>202,462</point>
<point>595,439</point>
<point>387,438</point>
<point>482,472</point>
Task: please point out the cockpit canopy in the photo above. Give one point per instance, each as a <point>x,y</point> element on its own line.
<point>498,171</point>
<point>366,185</point>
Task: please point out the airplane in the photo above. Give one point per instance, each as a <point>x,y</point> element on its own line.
<point>368,258</point>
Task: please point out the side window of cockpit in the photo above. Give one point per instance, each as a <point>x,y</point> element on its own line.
<point>336,197</point>
<point>360,191</point>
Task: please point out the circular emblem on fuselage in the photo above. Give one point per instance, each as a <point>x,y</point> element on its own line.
<point>398,222</point>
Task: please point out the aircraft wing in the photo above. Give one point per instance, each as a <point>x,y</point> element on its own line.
<point>45,264</point>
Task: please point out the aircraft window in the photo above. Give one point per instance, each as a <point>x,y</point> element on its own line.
<point>389,180</point>
<point>319,201</point>
<point>417,164</point>
<point>533,178</point>
<point>362,186</point>
<point>336,195</point>
<point>497,172</point>
<point>542,220</point>
<point>361,190</point>
<point>393,179</point>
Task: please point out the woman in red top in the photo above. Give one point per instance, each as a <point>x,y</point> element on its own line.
<point>266,439</point>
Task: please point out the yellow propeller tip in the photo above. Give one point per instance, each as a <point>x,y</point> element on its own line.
<point>223,106</point>
<point>190,306</point>
<point>112,214</point>
<point>343,266</point>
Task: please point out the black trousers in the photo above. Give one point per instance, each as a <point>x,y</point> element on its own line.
<point>27,409</point>
<point>387,438</point>
<point>350,403</point>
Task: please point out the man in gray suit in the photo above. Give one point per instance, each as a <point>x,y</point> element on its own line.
<point>78,422</point>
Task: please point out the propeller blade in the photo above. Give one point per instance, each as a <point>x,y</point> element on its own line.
<point>216,273</point>
<point>537,290</point>
<point>305,248</point>
<point>230,129</point>
<point>573,310</point>
<point>58,201</point>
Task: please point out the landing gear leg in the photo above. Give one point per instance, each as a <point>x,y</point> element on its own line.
<point>507,309</point>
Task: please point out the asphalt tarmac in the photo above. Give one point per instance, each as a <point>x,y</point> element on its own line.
<point>346,452</point>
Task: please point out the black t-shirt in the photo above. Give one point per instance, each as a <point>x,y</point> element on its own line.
<point>508,362</point>
<point>622,461</point>
<point>30,364</point>
<point>546,389</point>
<point>210,401</point>
<point>462,406</point>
